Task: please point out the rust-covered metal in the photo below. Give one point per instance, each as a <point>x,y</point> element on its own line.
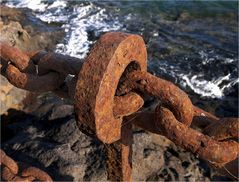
<point>225,128</point>
<point>38,71</point>
<point>8,162</point>
<point>169,94</point>
<point>127,104</point>
<point>10,171</point>
<point>119,156</point>
<point>145,119</point>
<point>8,176</point>
<point>215,152</point>
<point>108,90</point>
<point>37,174</point>
<point>16,57</point>
<point>55,62</point>
<point>30,82</point>
<point>99,78</point>
<point>202,119</point>
<point>26,62</point>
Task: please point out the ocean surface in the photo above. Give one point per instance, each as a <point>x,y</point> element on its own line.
<point>191,43</point>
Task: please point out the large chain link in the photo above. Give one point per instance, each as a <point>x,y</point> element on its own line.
<point>39,71</point>
<point>169,121</point>
<point>217,143</point>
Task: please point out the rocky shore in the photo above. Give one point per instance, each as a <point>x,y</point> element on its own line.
<point>21,29</point>
<point>43,132</point>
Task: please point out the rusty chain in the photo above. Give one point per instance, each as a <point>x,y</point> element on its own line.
<point>213,149</point>
<point>10,171</point>
<point>108,90</point>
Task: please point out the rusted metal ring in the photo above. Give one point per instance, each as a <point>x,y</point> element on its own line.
<point>99,78</point>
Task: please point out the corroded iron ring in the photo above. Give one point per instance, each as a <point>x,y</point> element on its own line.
<point>98,80</point>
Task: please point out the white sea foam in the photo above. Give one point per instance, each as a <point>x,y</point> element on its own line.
<point>77,36</point>
<point>229,60</point>
<point>203,87</point>
<point>57,4</point>
<point>199,83</point>
<point>35,5</point>
<point>231,84</point>
<point>209,88</point>
<point>75,23</point>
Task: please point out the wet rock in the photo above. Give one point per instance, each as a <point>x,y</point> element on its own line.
<point>184,17</point>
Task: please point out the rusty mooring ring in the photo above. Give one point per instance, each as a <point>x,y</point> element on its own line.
<point>99,78</point>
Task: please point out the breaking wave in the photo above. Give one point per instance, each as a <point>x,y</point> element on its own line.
<point>209,88</point>
<point>204,76</point>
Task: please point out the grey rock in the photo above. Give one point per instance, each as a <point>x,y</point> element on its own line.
<point>54,143</point>
<point>20,28</point>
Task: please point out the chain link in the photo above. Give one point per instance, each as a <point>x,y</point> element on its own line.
<point>41,71</point>
<point>11,172</point>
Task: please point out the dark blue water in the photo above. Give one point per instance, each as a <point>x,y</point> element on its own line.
<point>191,43</point>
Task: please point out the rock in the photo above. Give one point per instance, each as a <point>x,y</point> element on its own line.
<point>15,35</point>
<point>19,28</point>
<point>147,157</point>
<point>59,148</point>
<point>42,35</point>
<point>61,112</point>
<point>10,96</point>
<point>184,17</point>
<point>66,154</point>
<point>23,30</point>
